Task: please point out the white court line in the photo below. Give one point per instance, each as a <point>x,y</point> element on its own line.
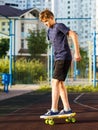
<point>76,101</point>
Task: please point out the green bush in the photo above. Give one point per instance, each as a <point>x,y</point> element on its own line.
<point>82,88</point>
<point>4,65</point>
<point>29,71</point>
<point>32,71</point>
<point>71,89</point>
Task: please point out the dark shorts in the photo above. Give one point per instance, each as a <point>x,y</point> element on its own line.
<point>61,68</point>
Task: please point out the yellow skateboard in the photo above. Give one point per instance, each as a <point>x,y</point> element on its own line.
<point>50,119</point>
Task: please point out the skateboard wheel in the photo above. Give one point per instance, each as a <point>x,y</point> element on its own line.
<point>73,120</point>
<point>51,122</point>
<point>67,120</point>
<point>46,121</point>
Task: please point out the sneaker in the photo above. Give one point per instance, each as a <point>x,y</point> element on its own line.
<point>51,113</point>
<point>62,112</point>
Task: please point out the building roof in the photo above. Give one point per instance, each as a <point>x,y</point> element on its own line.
<point>8,11</point>
<point>23,51</point>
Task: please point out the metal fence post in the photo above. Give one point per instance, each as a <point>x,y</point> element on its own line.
<point>94,61</point>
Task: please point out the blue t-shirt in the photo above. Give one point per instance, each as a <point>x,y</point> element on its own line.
<point>57,35</point>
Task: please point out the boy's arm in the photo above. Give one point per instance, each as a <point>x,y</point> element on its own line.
<point>74,37</point>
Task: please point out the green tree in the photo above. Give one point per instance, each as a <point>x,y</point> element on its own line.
<point>4,46</point>
<point>37,43</point>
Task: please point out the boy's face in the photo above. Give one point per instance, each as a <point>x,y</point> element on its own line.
<point>48,22</point>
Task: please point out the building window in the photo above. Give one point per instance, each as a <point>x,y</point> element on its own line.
<point>22,27</point>
<point>86,36</point>
<point>3,29</point>
<point>22,43</point>
<point>3,23</point>
<point>86,31</point>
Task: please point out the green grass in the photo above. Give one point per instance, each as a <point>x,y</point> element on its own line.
<point>78,89</point>
<point>74,89</point>
<point>44,88</point>
<point>82,89</point>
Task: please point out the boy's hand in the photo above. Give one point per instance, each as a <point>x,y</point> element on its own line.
<point>77,57</point>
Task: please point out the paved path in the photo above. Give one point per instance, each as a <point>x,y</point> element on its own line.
<point>17,90</point>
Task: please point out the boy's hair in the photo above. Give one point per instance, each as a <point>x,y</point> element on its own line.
<point>46,14</point>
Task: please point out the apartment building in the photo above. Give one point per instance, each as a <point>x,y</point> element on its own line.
<point>26,4</point>
<point>19,4</point>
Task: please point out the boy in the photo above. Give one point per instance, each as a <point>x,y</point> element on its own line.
<point>57,34</point>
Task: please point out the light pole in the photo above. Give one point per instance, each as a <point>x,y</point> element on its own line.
<point>94,61</point>
<point>10,55</point>
<point>10,48</point>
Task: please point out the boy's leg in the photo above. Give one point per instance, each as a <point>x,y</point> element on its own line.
<point>61,68</point>
<point>55,94</point>
<point>64,96</point>
<point>59,89</point>
<point>55,98</point>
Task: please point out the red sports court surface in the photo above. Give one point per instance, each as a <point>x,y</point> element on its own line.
<point>22,113</point>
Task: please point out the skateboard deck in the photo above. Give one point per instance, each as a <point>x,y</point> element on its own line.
<point>50,119</point>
